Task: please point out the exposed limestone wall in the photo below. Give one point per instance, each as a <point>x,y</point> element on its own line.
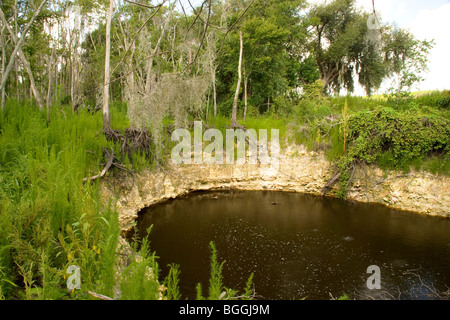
<point>300,171</point>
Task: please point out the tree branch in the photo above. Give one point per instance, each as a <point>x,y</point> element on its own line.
<point>19,43</point>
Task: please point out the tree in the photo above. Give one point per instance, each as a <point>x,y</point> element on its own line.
<point>19,43</point>
<point>24,61</point>
<point>272,35</point>
<point>343,47</point>
<point>406,57</point>
<point>337,41</point>
<point>107,76</point>
<point>238,86</point>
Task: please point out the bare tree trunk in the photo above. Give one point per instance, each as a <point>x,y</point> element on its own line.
<point>207,105</point>
<point>148,81</point>
<point>50,82</point>
<point>34,89</point>
<point>75,71</point>
<point>155,50</point>
<point>245,97</point>
<point>19,43</point>
<point>236,95</point>
<point>106,113</point>
<point>173,46</point>
<point>211,49</point>
<point>214,94</point>
<point>16,69</point>
<point>2,93</point>
<point>25,63</point>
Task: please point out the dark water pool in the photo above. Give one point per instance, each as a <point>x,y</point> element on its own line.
<point>299,246</point>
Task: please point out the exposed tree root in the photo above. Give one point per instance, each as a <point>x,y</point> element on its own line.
<point>132,140</point>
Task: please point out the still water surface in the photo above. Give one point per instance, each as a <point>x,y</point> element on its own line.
<point>299,246</point>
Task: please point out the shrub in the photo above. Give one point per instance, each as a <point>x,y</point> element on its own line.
<point>403,136</point>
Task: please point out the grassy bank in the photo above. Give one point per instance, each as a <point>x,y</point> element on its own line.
<point>51,219</point>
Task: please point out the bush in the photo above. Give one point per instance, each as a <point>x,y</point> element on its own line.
<point>395,138</point>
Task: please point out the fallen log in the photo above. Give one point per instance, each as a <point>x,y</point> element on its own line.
<point>330,184</point>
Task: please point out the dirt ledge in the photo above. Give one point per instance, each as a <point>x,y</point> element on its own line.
<point>300,171</point>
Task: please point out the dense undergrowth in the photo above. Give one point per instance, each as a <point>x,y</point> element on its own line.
<point>400,132</point>
<point>51,219</point>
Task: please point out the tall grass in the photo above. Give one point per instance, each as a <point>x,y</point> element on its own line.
<point>50,218</point>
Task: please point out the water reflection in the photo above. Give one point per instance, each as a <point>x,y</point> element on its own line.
<point>300,246</point>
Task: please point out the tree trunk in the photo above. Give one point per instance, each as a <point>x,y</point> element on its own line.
<point>19,43</point>
<point>16,68</point>
<point>106,113</point>
<point>34,89</point>
<point>245,96</point>
<point>154,51</point>
<point>214,94</point>
<point>207,105</point>
<point>148,81</point>
<point>2,93</point>
<point>238,86</point>
<point>50,82</point>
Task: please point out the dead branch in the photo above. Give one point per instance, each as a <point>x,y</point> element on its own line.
<point>110,157</point>
<point>137,33</point>
<point>233,25</point>
<point>331,183</point>
<point>434,293</point>
<point>205,29</point>
<point>144,5</point>
<point>99,296</point>
<point>19,43</point>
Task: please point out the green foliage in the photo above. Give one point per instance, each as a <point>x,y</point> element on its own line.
<point>215,282</point>
<point>343,45</point>
<point>391,132</point>
<point>272,35</point>
<point>140,279</point>
<point>51,218</point>
<point>171,283</point>
<point>216,289</point>
<point>435,99</point>
<point>403,136</point>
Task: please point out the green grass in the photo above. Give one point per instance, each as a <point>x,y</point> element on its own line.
<point>50,219</point>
